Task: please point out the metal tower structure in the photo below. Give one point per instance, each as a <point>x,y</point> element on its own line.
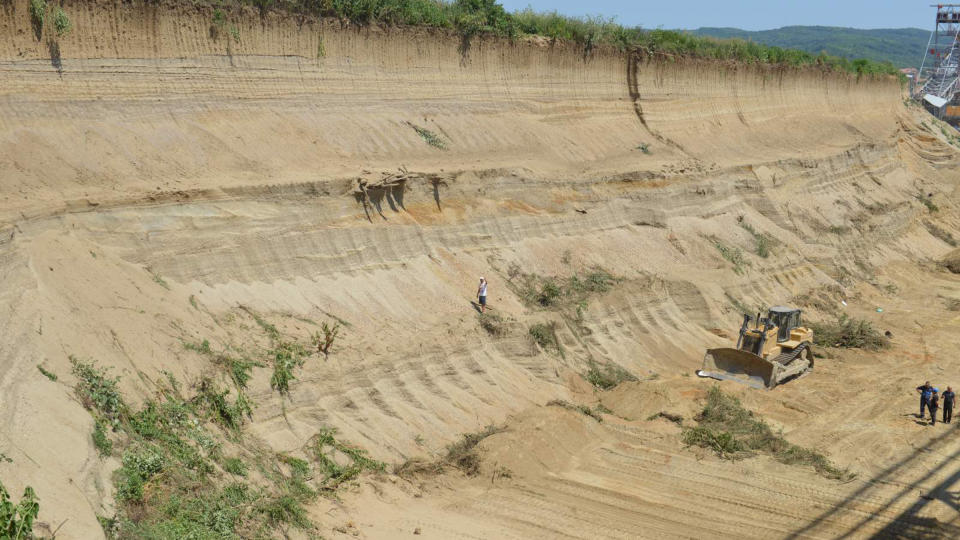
<point>941,60</point>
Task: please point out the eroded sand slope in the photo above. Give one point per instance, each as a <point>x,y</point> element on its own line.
<point>153,180</point>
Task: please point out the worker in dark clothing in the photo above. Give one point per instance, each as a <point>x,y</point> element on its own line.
<point>948,399</point>
<point>925,391</point>
<point>933,405</point>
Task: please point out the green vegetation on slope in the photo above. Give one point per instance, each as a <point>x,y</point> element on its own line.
<point>732,431</point>
<point>180,457</point>
<point>903,47</point>
<point>471,18</point>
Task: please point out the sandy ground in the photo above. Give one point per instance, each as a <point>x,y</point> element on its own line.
<point>154,180</point>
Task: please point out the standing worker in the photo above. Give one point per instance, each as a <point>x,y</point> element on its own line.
<point>925,391</point>
<point>482,295</point>
<point>948,399</point>
<point>933,406</point>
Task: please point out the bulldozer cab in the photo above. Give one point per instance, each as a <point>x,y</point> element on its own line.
<point>785,319</point>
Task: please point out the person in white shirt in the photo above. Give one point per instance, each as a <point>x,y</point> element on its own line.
<point>482,294</point>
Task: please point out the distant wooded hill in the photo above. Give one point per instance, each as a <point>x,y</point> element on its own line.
<point>902,46</point>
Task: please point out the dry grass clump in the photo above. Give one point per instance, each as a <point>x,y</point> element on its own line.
<point>461,454</point>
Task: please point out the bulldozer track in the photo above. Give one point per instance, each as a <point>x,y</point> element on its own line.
<point>786,358</point>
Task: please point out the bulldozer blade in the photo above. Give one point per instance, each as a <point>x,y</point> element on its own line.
<point>740,366</point>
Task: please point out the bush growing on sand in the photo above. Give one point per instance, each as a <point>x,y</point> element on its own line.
<point>325,338</point>
<point>61,22</point>
<point>38,11</point>
<point>732,432</point>
<point>607,376</point>
<point>545,335</point>
<point>168,485</point>
<point>849,333</point>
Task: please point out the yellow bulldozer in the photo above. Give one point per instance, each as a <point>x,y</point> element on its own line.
<point>775,349</point>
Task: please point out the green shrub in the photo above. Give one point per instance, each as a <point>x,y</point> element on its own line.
<point>849,333</point>
<point>97,391</point>
<point>732,432</point>
<point>429,137</point>
<point>61,22</point>
<point>545,335</point>
<point>16,520</point>
<point>607,376</point>
<point>325,338</point>
<point>38,11</point>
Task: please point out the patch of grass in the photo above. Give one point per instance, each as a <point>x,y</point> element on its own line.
<point>762,241</point>
<point>493,323</point>
<point>235,466</point>
<point>158,279</point>
<point>286,356</point>
<point>607,376</point>
<point>583,409</point>
<point>940,233</point>
<point>193,302</point>
<point>928,202</point>
<point>545,335</point>
<point>214,401</point>
<point>235,33</point>
<point>16,520</point>
<point>839,230</point>
<point>101,442</point>
<point>547,292</point>
<point>733,256</point>
<point>168,486</point>
<point>849,333</point>
<point>644,147</point>
<point>61,22</point>
<point>203,347</point>
<point>733,432</point>
<point>47,374</point>
<point>429,137</point>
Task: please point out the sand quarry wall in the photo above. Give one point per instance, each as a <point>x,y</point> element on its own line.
<point>155,177</point>
<point>146,96</point>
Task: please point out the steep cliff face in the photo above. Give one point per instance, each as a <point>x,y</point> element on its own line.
<point>140,96</point>
<point>164,177</point>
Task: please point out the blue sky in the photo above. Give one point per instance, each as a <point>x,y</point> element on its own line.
<point>746,14</point>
